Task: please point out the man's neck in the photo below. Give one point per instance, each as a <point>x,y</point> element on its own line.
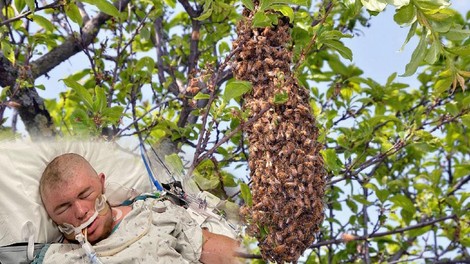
<point>119,212</point>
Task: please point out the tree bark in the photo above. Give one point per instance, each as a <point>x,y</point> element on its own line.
<point>32,110</point>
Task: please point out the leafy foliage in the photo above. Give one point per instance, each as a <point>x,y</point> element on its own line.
<point>397,155</point>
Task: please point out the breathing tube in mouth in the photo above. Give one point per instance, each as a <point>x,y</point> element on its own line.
<point>81,231</point>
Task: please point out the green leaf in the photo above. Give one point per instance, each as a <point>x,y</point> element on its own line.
<point>460,50</point>
<point>81,91</point>
<point>466,120</point>
<point>223,47</point>
<point>174,164</point>
<point>249,4</point>
<point>382,195</point>
<point>72,12</point>
<point>43,22</point>
<point>246,194</point>
<point>403,202</point>
<point>104,6</point>
<point>344,51</point>
<point>398,3</point>
<point>360,199</point>
<point>405,15</point>
<point>31,4</point>
<point>442,85</point>
<point>374,5</point>
<point>456,34</point>
<point>19,5</point>
<point>207,11</point>
<point>202,96</point>
<point>7,50</point>
<point>80,116</point>
<point>352,205</point>
<point>113,114</point>
<point>433,52</point>
<point>452,108</point>
<point>416,58</point>
<point>419,231</point>
<point>260,19</point>
<point>145,62</point>
<point>228,180</point>
<point>285,10</point>
<point>433,5</point>
<point>331,159</point>
<point>100,102</point>
<point>281,98</point>
<point>410,34</point>
<point>205,176</point>
<point>206,183</point>
<point>235,89</point>
<point>266,4</point>
<point>333,34</point>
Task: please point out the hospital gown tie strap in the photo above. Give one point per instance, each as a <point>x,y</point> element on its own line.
<point>28,231</point>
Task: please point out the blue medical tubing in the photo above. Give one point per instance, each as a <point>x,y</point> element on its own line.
<point>149,170</point>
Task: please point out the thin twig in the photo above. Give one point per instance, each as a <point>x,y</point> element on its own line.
<point>328,9</point>
<point>27,13</point>
<point>381,234</point>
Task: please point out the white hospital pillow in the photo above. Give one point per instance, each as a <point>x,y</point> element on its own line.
<point>21,166</point>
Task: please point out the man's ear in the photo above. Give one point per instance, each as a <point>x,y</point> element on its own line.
<point>102,180</point>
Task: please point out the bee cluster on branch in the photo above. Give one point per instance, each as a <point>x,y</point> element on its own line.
<point>286,169</point>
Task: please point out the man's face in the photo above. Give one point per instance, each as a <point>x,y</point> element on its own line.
<point>72,201</point>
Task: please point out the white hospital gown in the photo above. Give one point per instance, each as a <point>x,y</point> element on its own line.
<point>153,232</point>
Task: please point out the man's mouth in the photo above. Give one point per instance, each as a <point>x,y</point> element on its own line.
<point>91,228</point>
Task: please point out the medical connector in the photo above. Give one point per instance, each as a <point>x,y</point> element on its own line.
<point>100,205</point>
<point>88,248</point>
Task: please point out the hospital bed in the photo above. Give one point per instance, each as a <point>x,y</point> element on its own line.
<point>24,224</point>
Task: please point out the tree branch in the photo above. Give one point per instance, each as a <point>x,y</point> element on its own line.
<point>73,45</point>
<point>459,185</point>
<point>381,234</point>
<point>8,73</point>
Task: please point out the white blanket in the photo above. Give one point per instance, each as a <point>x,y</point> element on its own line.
<point>145,235</point>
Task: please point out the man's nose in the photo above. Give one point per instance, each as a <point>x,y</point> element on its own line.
<point>81,211</point>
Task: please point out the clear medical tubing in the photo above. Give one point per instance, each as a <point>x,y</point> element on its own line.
<point>89,250</point>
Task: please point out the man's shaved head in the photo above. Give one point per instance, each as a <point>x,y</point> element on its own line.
<point>61,168</point>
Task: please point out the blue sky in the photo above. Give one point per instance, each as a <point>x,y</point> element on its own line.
<point>377,50</point>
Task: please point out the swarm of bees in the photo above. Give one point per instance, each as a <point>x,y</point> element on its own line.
<point>286,169</point>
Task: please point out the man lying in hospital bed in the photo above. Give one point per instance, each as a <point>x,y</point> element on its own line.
<point>151,230</point>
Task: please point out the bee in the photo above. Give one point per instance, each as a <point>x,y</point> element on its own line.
<point>280,249</point>
<point>307,202</point>
<point>269,61</point>
<point>300,235</point>
<point>257,65</point>
<point>290,184</point>
<point>241,69</point>
<point>300,168</point>
<point>266,31</point>
<point>298,213</point>
<point>261,39</point>
<point>299,203</point>
<point>307,142</point>
<point>310,188</point>
<point>293,171</point>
